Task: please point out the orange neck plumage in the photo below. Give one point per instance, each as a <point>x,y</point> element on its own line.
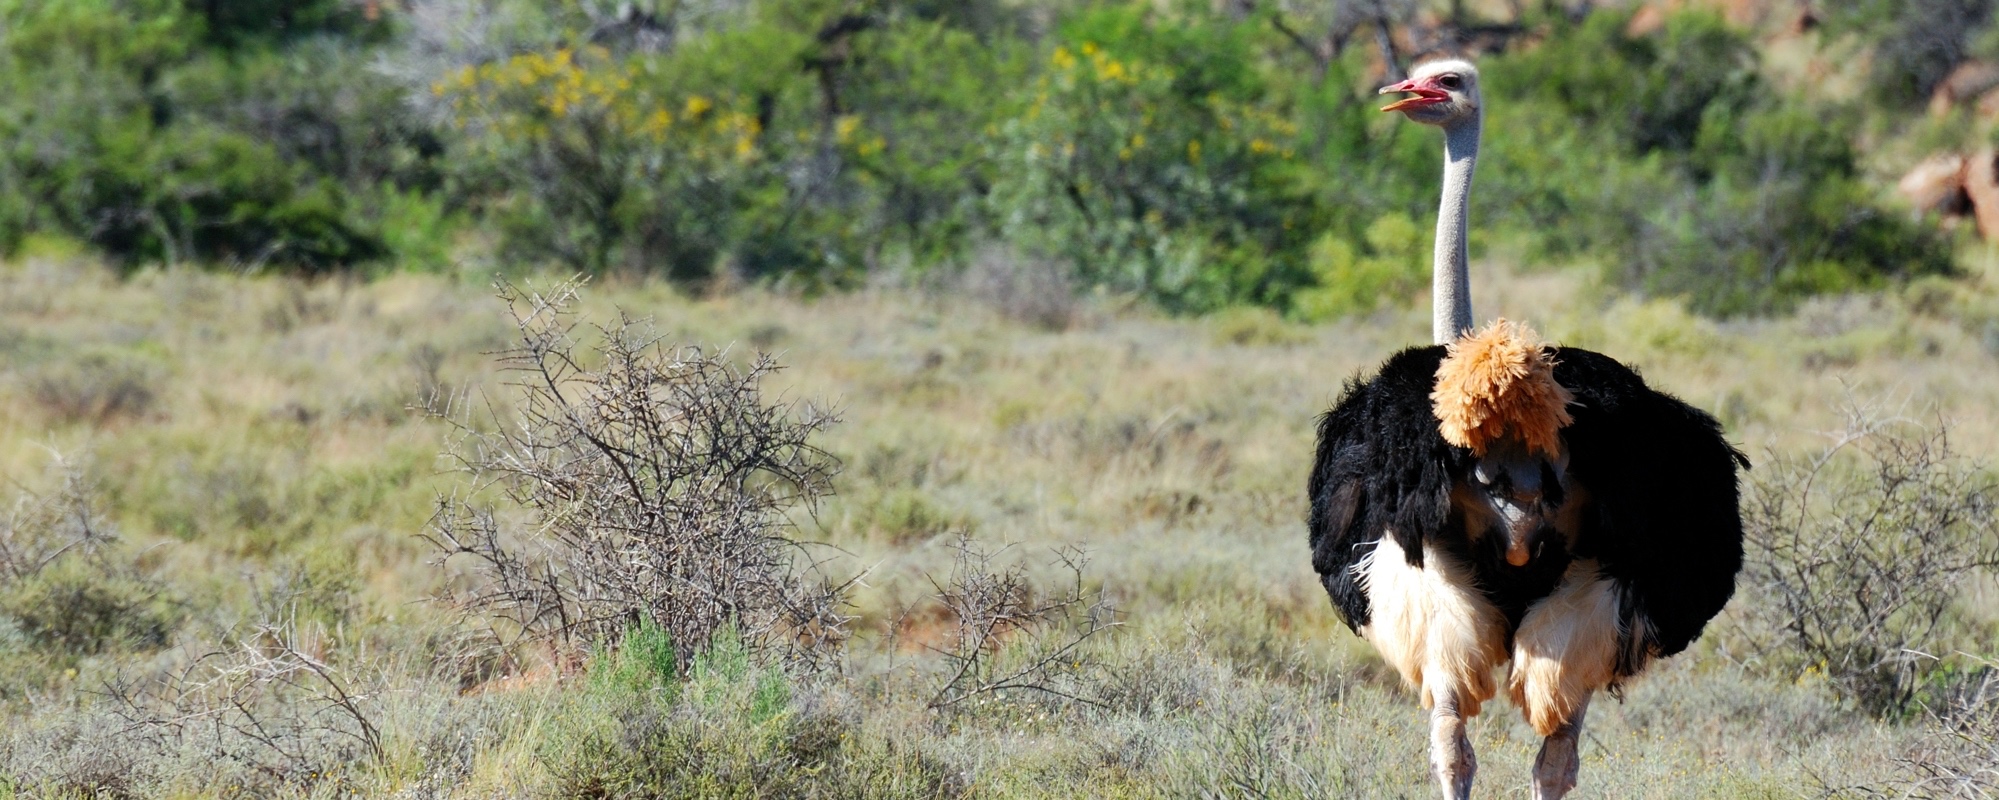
<point>1498,383</point>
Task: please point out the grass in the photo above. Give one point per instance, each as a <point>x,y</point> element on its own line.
<point>251,445</point>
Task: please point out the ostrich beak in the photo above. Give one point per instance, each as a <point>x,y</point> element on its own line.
<point>1425,94</point>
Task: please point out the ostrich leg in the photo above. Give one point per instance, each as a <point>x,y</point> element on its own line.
<point>1451,757</point>
<point>1555,769</point>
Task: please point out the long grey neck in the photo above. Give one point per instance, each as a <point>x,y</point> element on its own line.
<point>1451,271</point>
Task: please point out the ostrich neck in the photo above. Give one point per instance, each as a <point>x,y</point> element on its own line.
<point>1451,272</point>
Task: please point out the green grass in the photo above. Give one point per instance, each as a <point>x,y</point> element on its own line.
<point>275,468</point>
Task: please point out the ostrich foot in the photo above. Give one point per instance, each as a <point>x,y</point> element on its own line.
<point>1555,769</point>
<point>1451,758</point>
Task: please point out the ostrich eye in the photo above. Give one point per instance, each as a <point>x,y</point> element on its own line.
<point>1449,81</point>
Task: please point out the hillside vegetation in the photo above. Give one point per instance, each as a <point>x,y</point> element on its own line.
<point>889,398</point>
<point>1199,155</point>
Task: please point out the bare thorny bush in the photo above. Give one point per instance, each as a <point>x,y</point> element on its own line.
<point>1856,555</point>
<point>269,704</point>
<point>987,606</point>
<point>657,479</point>
<point>1957,756</point>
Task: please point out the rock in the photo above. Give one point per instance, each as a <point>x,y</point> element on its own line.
<point>1969,80</point>
<point>1649,20</point>
<point>1981,186</point>
<point>1936,184</point>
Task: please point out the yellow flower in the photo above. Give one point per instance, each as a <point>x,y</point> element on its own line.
<point>698,105</point>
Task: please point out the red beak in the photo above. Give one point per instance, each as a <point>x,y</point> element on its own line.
<point>1425,94</point>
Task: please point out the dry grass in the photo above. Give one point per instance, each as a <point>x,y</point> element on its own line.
<point>273,444</point>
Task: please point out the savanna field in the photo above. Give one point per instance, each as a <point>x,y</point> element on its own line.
<point>895,399</point>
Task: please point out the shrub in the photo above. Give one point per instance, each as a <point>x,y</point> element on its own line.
<point>1667,154</point>
<point>1038,291</point>
<point>1856,557</point>
<point>1005,637</point>
<point>97,386</point>
<point>61,584</point>
<point>265,713</point>
<point>1395,268</point>
<point>1150,154</point>
<point>103,154</point>
<point>657,486</point>
<point>1957,754</point>
<point>729,727</point>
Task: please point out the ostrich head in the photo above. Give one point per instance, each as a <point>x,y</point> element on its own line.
<point>1443,93</point>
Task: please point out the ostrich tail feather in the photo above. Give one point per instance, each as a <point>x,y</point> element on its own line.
<point>1500,382</point>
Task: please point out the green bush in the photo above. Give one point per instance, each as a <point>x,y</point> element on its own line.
<point>205,194</point>
<point>78,607</point>
<point>1671,159</point>
<point>1152,154</point>
<point>729,728</point>
<point>125,136</point>
<point>1395,268</point>
<point>66,587</point>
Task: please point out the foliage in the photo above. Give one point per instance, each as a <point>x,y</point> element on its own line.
<point>728,727</point>
<point>1353,283</point>
<point>125,136</point>
<point>1668,155</point>
<point>1197,157</point>
<point>591,140</point>
<point>1151,154</point>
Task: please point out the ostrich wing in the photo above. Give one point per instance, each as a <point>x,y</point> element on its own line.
<point>1665,524</point>
<point>1382,467</point>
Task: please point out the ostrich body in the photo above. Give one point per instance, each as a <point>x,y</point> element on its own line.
<point>1491,501</point>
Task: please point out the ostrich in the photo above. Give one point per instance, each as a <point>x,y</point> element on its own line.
<point>1491,499</point>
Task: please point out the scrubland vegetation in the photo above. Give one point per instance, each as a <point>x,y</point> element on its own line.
<point>220,581</point>
<point>879,399</point>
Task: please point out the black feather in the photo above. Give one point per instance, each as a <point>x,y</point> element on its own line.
<point>1666,524</point>
<point>1381,466</point>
